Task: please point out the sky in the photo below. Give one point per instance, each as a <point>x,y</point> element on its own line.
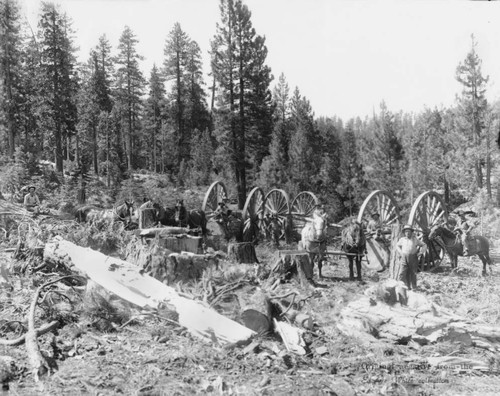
<point>345,57</point>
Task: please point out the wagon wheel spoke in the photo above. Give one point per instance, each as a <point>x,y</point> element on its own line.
<point>277,203</point>
<point>252,214</point>
<point>216,193</point>
<point>384,204</point>
<point>303,206</point>
<point>428,211</point>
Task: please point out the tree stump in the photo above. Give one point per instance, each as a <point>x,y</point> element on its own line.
<point>243,252</point>
<point>146,218</point>
<point>395,266</point>
<point>291,263</point>
<point>256,311</point>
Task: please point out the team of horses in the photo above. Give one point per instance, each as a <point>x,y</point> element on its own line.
<point>313,237</point>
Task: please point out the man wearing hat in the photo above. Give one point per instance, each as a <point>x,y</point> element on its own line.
<point>409,249</point>
<point>31,200</point>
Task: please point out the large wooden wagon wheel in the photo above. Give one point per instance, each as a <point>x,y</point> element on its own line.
<point>277,203</point>
<point>427,211</point>
<point>302,206</point>
<point>216,193</point>
<point>383,203</point>
<point>377,247</point>
<point>253,212</point>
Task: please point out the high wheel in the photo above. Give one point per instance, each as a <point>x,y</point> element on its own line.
<point>277,203</point>
<point>428,211</point>
<point>377,247</point>
<point>253,212</point>
<point>383,203</point>
<point>216,193</point>
<point>303,206</point>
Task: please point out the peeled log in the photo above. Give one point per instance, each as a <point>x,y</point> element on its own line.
<point>128,281</point>
<point>243,252</point>
<point>152,232</point>
<point>256,311</point>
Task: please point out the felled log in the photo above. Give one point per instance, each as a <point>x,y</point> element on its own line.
<point>290,263</point>
<point>242,252</point>
<point>146,218</point>
<point>129,282</point>
<point>160,231</point>
<point>255,311</point>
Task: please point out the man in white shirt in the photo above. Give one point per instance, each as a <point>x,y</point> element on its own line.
<point>31,200</point>
<point>409,249</point>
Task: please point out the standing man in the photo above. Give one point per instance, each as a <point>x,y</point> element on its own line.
<point>31,201</point>
<point>409,249</point>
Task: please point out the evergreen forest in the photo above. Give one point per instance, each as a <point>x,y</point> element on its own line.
<point>74,128</point>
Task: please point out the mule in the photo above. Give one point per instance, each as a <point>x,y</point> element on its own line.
<point>313,240</point>
<point>452,243</point>
<point>354,244</point>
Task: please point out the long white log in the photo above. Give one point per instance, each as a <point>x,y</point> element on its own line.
<point>128,282</point>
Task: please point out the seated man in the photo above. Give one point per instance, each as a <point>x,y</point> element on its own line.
<point>464,229</point>
<point>31,200</point>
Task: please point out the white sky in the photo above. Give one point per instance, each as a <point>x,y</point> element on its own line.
<point>344,56</point>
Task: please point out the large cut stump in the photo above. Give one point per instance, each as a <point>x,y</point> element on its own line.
<point>182,243</point>
<point>292,263</point>
<point>256,311</point>
<point>243,252</point>
<point>128,281</point>
<point>146,218</point>
<point>189,266</point>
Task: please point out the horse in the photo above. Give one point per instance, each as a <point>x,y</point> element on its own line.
<point>313,240</point>
<point>122,213</point>
<point>452,243</point>
<point>354,244</point>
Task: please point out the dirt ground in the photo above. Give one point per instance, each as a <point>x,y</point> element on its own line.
<point>151,356</point>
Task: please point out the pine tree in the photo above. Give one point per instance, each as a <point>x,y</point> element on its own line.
<point>473,106</point>
<point>153,114</point>
<point>10,71</point>
<point>128,92</point>
<point>57,81</point>
<point>305,160</point>
<point>244,107</point>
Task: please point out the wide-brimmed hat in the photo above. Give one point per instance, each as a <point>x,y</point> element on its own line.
<point>375,214</point>
<point>407,227</point>
<point>31,187</point>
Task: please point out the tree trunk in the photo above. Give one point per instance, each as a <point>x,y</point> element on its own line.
<point>129,282</point>
<point>256,311</point>
<point>243,252</point>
